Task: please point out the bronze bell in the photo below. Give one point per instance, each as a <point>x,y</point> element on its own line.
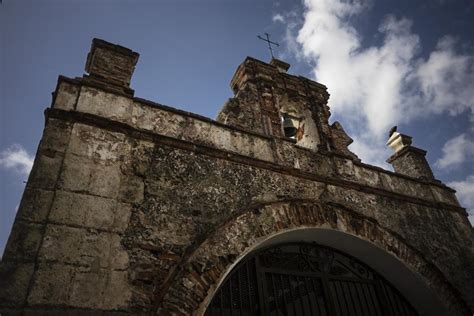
<point>288,126</point>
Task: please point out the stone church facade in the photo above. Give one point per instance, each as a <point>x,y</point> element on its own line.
<point>134,207</point>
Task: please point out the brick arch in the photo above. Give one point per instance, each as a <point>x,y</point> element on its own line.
<point>193,288</point>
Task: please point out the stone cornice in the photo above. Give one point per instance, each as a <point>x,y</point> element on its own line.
<point>154,105</point>
<point>204,149</point>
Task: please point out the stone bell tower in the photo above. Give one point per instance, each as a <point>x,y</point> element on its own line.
<point>267,98</point>
<point>134,207</point>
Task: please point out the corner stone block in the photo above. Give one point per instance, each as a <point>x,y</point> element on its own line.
<point>44,174</point>
<point>65,95</point>
<point>51,285</point>
<point>97,144</point>
<point>105,180</point>
<point>14,280</point>
<point>57,284</point>
<point>76,173</point>
<point>24,241</point>
<point>56,135</point>
<point>88,287</point>
<point>83,175</point>
<point>85,247</point>
<point>104,104</point>
<point>90,211</point>
<point>35,205</point>
<point>118,293</point>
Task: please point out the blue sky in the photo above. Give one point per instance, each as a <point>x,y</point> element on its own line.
<point>407,63</point>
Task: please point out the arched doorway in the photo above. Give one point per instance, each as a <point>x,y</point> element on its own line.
<point>302,278</point>
<point>422,284</point>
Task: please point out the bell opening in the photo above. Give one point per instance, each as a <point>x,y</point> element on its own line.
<point>289,126</point>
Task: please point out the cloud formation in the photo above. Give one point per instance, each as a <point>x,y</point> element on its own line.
<point>382,85</point>
<point>456,151</point>
<point>278,18</point>
<point>16,158</point>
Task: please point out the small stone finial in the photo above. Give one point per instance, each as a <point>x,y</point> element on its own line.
<point>408,160</point>
<point>398,141</point>
<point>341,141</point>
<point>111,64</point>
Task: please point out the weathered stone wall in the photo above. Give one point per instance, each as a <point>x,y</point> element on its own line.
<point>134,207</point>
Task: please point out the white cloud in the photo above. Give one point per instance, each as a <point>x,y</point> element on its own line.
<point>456,151</point>
<point>291,21</point>
<point>465,193</point>
<point>374,88</point>
<point>447,79</point>
<point>17,158</point>
<point>278,18</point>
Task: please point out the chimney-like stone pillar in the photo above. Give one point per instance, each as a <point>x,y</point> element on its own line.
<point>408,160</point>
<point>111,66</point>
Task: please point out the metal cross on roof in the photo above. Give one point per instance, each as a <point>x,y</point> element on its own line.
<point>270,43</point>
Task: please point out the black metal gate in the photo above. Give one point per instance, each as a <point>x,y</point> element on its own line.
<point>306,279</point>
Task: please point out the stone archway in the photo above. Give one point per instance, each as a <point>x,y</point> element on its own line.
<point>331,225</point>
